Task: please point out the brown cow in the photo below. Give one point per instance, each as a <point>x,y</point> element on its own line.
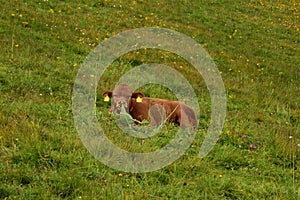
<point>153,109</point>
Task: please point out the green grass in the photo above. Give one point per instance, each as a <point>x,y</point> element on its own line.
<point>255,45</point>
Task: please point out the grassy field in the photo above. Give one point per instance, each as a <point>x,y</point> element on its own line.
<point>256,46</point>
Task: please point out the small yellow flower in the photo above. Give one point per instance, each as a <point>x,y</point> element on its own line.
<point>75,65</point>
<point>16,45</point>
<point>220,176</point>
<point>120,174</point>
<point>13,14</point>
<point>51,11</point>
<point>17,139</point>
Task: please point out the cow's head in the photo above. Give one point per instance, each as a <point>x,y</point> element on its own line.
<point>121,96</point>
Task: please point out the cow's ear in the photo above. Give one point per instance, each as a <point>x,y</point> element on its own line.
<point>137,94</point>
<point>107,95</point>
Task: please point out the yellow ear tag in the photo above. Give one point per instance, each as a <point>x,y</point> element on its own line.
<point>139,99</point>
<point>106,98</point>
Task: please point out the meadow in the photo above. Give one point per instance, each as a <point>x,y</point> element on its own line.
<point>254,44</point>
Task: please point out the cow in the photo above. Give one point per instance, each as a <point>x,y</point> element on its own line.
<point>155,110</point>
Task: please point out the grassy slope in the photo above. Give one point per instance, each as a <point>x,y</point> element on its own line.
<point>254,44</point>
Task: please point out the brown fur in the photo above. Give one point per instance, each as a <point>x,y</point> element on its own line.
<point>152,108</point>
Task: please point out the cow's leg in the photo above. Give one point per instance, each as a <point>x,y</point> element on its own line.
<point>157,115</point>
